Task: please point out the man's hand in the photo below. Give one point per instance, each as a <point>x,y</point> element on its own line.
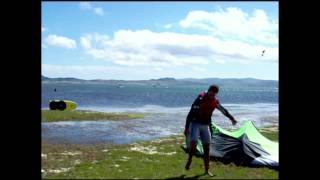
<point>234,122</point>
<point>186,131</point>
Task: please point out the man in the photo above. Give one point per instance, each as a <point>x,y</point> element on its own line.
<point>199,123</point>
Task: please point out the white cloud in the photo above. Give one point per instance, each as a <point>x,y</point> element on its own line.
<point>101,72</point>
<point>88,6</point>
<point>72,71</point>
<point>98,11</point>
<point>220,61</point>
<point>60,41</point>
<point>99,40</point>
<point>44,46</point>
<point>199,69</point>
<point>86,42</point>
<point>235,23</point>
<point>147,48</point>
<point>43,29</point>
<point>142,48</point>
<point>158,69</point>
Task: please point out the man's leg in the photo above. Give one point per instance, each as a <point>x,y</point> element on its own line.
<point>206,138</point>
<point>192,150</point>
<point>206,158</point>
<point>193,138</point>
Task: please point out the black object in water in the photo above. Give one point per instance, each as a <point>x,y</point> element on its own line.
<point>57,105</point>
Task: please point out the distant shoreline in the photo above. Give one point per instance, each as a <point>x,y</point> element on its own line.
<point>154,79</point>
<point>168,82</point>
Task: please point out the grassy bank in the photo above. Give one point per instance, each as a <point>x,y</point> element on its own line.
<point>160,159</point>
<point>56,115</point>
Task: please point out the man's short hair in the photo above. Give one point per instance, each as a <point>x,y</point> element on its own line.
<point>214,88</point>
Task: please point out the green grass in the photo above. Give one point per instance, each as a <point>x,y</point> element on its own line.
<point>57,115</point>
<point>272,136</point>
<point>165,160</point>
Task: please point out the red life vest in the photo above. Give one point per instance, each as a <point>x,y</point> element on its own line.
<point>206,106</point>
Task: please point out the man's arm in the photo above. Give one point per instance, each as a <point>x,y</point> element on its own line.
<point>188,120</point>
<point>226,113</point>
<point>192,113</point>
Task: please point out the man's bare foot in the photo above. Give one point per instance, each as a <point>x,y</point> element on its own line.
<point>208,173</point>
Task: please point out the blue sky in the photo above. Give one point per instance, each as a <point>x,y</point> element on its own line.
<point>145,40</point>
